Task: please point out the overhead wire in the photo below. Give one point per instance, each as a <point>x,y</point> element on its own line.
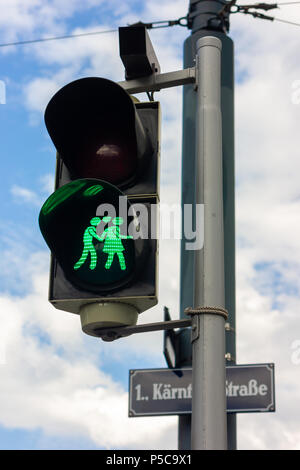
<point>55,38</point>
<point>180,22</point>
<point>264,6</point>
<point>286,21</point>
<point>153,25</point>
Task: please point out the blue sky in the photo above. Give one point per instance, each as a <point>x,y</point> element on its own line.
<point>61,388</point>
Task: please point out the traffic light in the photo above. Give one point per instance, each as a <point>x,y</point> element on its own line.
<point>100,223</point>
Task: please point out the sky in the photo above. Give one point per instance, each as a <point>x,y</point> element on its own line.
<point>62,389</point>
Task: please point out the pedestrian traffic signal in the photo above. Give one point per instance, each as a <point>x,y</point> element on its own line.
<point>100,223</point>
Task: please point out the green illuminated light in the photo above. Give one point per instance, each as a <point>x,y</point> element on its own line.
<point>112,239</point>
<point>90,249</point>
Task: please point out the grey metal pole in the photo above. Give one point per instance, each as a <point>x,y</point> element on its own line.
<point>209,417</point>
<point>203,21</point>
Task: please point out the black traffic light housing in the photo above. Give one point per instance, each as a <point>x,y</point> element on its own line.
<point>94,126</point>
<point>102,138</point>
<point>137,52</point>
<point>88,111</point>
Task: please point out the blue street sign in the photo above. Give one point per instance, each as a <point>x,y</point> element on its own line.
<point>249,388</point>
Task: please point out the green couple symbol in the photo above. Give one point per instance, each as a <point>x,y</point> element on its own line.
<point>112,239</point>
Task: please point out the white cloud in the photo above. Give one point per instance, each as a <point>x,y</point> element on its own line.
<point>47,183</point>
<point>20,17</point>
<point>39,92</point>
<point>267,222</point>
<point>51,380</point>
<point>25,195</point>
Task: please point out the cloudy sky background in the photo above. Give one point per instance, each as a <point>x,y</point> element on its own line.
<point>61,389</point>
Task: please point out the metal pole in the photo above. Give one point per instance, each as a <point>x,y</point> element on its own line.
<point>203,21</point>
<point>209,420</point>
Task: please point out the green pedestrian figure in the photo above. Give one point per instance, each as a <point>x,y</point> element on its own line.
<point>113,243</point>
<point>88,247</point>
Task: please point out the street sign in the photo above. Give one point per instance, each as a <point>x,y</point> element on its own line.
<point>249,388</point>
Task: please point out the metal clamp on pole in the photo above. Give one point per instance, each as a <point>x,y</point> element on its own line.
<point>195,312</point>
<point>211,310</point>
